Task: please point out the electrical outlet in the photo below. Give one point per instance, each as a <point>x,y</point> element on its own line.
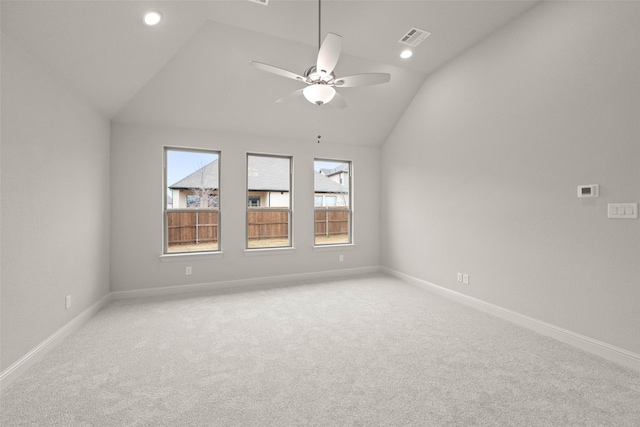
<point>459,277</point>
<point>67,302</point>
<point>465,279</point>
<point>188,271</point>
<point>341,258</point>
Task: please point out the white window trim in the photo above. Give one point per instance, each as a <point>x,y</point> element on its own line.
<point>269,251</point>
<point>184,256</point>
<point>274,249</point>
<point>167,256</point>
<point>338,246</point>
<point>334,247</point>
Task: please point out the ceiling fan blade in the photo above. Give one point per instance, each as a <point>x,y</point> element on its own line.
<point>337,102</point>
<point>279,71</point>
<point>362,80</point>
<point>329,53</point>
<point>292,95</point>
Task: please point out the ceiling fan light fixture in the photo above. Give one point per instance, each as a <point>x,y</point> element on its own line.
<point>319,93</point>
<point>320,78</point>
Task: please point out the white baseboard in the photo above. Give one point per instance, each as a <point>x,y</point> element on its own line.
<point>244,284</point>
<point>604,350</point>
<point>37,353</point>
<point>599,348</point>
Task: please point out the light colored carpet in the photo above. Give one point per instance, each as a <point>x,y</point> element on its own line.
<point>365,351</point>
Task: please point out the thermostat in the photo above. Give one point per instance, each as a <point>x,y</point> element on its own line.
<point>588,190</point>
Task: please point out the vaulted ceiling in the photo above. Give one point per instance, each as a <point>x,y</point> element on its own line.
<point>192,70</point>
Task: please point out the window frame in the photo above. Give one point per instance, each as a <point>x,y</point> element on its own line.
<point>289,210</point>
<point>349,208</point>
<point>166,210</point>
<point>251,199</point>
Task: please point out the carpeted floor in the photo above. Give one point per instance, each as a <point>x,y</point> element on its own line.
<point>365,351</point>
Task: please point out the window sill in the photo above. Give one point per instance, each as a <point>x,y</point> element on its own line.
<point>190,256</point>
<point>268,251</point>
<point>339,247</point>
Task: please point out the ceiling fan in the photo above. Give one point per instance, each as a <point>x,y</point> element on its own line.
<point>320,79</point>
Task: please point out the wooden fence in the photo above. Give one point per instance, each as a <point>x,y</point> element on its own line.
<point>267,224</point>
<point>192,227</point>
<point>331,221</point>
<point>199,227</point>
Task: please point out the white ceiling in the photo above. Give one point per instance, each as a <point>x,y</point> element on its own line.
<point>193,69</point>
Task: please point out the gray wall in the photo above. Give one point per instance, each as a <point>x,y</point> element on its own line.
<point>136,154</point>
<point>482,170</point>
<point>55,204</point>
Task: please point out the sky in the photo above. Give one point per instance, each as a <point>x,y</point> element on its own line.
<point>183,163</point>
<point>325,164</point>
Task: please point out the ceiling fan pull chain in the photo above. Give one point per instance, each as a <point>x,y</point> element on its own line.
<point>319,136</point>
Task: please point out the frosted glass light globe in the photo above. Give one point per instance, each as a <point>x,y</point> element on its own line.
<point>319,94</point>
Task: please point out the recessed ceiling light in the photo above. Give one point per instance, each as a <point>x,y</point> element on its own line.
<point>406,54</point>
<point>152,18</point>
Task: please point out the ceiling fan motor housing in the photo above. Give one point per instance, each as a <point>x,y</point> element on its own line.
<point>314,76</point>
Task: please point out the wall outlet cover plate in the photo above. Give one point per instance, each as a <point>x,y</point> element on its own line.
<point>591,190</point>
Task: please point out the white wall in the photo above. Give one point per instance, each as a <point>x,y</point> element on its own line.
<point>136,226</point>
<point>278,199</point>
<point>52,143</point>
<point>179,199</point>
<point>480,174</point>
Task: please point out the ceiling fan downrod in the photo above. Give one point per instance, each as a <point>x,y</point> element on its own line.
<point>319,24</point>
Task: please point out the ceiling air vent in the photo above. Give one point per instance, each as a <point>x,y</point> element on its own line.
<point>262,2</point>
<point>414,37</point>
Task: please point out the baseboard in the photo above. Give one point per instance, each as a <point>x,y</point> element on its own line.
<point>37,353</point>
<point>244,284</point>
<point>599,348</point>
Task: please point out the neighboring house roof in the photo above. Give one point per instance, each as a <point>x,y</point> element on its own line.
<point>343,167</point>
<point>268,173</point>
<point>207,174</point>
<point>323,184</point>
<point>265,174</point>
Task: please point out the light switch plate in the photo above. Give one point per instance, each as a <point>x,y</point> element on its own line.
<point>622,210</point>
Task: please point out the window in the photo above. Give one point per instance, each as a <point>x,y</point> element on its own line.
<point>192,194</point>
<point>268,201</point>
<point>332,201</point>
<point>193,201</point>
